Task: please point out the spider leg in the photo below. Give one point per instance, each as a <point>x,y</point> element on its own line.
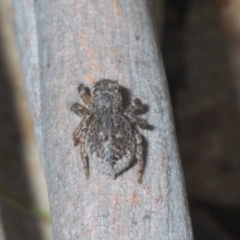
<point>82,138</point>
<point>139,154</point>
<point>79,109</point>
<point>140,121</point>
<point>83,152</point>
<point>84,94</point>
<point>77,132</point>
<point>134,108</point>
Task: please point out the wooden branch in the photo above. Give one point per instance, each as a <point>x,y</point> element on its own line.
<point>84,41</point>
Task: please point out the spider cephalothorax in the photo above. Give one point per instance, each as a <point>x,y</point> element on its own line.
<point>107,134</point>
<point>106,98</point>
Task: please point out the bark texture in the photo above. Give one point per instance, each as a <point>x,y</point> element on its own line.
<point>84,41</point>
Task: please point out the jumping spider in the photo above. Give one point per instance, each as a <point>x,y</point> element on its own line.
<point>106,133</point>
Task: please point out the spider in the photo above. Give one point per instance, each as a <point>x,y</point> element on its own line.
<point>107,134</point>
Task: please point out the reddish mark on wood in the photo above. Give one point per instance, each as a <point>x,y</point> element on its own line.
<point>88,50</point>
<point>134,198</point>
<point>158,200</point>
<point>90,231</point>
<point>90,79</point>
<point>95,66</point>
<point>122,227</point>
<point>117,201</point>
<point>118,8</point>
<point>81,39</point>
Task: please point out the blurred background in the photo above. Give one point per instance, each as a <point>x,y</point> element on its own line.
<point>200,45</point>
<point>200,42</point>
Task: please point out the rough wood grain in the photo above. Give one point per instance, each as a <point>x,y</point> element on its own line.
<point>83,41</point>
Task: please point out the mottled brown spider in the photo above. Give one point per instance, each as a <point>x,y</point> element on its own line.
<point>106,134</point>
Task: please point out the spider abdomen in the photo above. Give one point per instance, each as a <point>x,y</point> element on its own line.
<point>110,143</point>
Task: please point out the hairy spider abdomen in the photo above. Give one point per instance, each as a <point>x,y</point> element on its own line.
<point>110,143</point>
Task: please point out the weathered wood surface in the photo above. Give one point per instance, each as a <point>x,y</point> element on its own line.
<point>83,41</point>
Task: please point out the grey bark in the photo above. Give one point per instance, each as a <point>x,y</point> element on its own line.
<point>84,41</point>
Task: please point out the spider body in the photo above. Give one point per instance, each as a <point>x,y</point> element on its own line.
<point>107,134</point>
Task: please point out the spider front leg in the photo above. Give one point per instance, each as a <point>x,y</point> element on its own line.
<point>79,137</point>
<point>77,133</point>
<point>84,156</point>
<point>134,108</point>
<point>81,111</point>
<point>139,154</point>
<point>84,94</point>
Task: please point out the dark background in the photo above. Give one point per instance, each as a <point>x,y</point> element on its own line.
<point>200,43</point>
